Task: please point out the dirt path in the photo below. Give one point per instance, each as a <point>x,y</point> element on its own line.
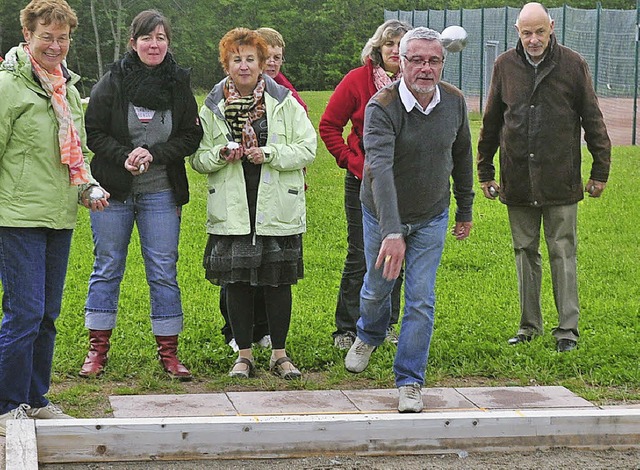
<point>548,459</point>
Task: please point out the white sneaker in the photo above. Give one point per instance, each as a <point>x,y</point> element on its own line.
<point>410,399</point>
<point>50,411</point>
<point>233,345</point>
<point>17,413</point>
<point>265,341</point>
<point>357,359</point>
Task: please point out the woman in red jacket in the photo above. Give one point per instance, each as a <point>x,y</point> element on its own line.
<point>381,59</point>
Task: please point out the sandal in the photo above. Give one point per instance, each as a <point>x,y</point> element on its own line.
<point>245,373</point>
<point>287,374</point>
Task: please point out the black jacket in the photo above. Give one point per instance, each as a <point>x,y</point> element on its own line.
<point>106,122</point>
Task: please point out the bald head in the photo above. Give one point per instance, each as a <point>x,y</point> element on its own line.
<point>533,11</point>
<point>534,26</point>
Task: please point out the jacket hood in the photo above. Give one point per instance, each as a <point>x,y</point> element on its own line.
<point>278,92</point>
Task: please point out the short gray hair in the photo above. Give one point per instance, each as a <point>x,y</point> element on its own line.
<point>420,33</point>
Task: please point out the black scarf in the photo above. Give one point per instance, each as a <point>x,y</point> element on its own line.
<point>149,87</point>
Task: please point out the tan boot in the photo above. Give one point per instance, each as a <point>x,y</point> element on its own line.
<point>168,355</point>
<point>96,359</point>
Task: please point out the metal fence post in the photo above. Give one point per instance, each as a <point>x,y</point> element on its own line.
<point>635,87</point>
<point>597,45</point>
<point>490,54</point>
<point>481,104</point>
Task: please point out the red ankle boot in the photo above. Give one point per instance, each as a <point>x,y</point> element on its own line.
<point>167,353</point>
<point>96,359</point>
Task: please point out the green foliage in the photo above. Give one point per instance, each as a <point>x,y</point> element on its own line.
<point>477,307</point>
<point>324,37</point>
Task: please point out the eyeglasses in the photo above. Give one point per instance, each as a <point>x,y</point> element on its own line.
<point>47,39</point>
<point>420,62</point>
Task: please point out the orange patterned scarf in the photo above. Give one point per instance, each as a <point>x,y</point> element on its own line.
<point>54,84</point>
<point>241,111</point>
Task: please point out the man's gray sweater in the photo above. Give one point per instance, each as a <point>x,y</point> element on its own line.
<point>411,157</point>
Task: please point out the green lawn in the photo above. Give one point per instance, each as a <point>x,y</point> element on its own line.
<point>477,307</point>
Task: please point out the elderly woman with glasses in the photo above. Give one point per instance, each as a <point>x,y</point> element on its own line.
<point>43,175</point>
<point>142,121</point>
<point>257,139</point>
<point>381,59</point>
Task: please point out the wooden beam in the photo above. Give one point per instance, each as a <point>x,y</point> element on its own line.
<point>21,451</point>
<point>241,437</point>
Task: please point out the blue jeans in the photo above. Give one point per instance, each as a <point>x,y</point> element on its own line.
<point>158,221</point>
<point>425,243</point>
<point>348,305</point>
<point>33,266</point>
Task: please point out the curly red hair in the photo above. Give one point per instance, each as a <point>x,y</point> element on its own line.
<point>231,42</point>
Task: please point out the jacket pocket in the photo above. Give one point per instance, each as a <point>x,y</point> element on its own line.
<point>217,202</point>
<point>291,200</point>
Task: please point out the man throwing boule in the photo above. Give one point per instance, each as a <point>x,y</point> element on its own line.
<point>416,139</point>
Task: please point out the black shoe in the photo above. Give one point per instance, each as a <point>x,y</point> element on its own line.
<point>519,339</point>
<point>565,345</point>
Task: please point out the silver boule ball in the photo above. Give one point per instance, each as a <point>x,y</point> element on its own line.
<point>96,193</point>
<point>233,145</point>
<point>454,38</point>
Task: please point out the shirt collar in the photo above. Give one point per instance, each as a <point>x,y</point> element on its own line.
<point>409,101</point>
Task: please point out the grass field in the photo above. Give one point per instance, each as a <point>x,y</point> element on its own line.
<point>476,311</point>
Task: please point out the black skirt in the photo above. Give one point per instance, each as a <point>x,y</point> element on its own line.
<point>265,261</point>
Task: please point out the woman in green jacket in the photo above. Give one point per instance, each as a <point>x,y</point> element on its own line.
<point>43,175</point>
<point>257,139</point>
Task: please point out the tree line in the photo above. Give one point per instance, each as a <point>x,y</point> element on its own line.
<point>324,37</point>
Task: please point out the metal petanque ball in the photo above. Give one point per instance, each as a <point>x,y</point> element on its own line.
<point>454,38</point>
<point>95,194</point>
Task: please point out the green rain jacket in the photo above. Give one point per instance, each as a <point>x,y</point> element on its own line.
<point>35,189</point>
<point>291,146</point>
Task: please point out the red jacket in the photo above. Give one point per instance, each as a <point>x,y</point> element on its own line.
<point>347,103</point>
<point>282,80</point>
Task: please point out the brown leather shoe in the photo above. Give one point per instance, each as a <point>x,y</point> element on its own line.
<point>96,359</point>
<point>167,353</point>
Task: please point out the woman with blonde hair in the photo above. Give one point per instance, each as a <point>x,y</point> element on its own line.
<point>381,59</point>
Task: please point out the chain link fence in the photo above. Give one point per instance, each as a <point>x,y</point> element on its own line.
<point>607,39</point>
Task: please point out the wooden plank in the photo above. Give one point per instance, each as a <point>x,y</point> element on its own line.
<point>21,450</point>
<point>120,439</point>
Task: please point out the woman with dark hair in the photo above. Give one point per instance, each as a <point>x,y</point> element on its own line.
<point>257,139</point>
<point>142,121</point>
<point>43,176</point>
<point>381,59</point>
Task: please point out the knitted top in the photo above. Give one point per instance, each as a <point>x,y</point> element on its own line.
<point>410,158</point>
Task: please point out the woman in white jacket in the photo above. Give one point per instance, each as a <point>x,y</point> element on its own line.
<point>257,139</point>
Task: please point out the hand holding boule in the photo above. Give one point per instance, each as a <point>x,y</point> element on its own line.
<point>230,151</point>
<point>95,193</point>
